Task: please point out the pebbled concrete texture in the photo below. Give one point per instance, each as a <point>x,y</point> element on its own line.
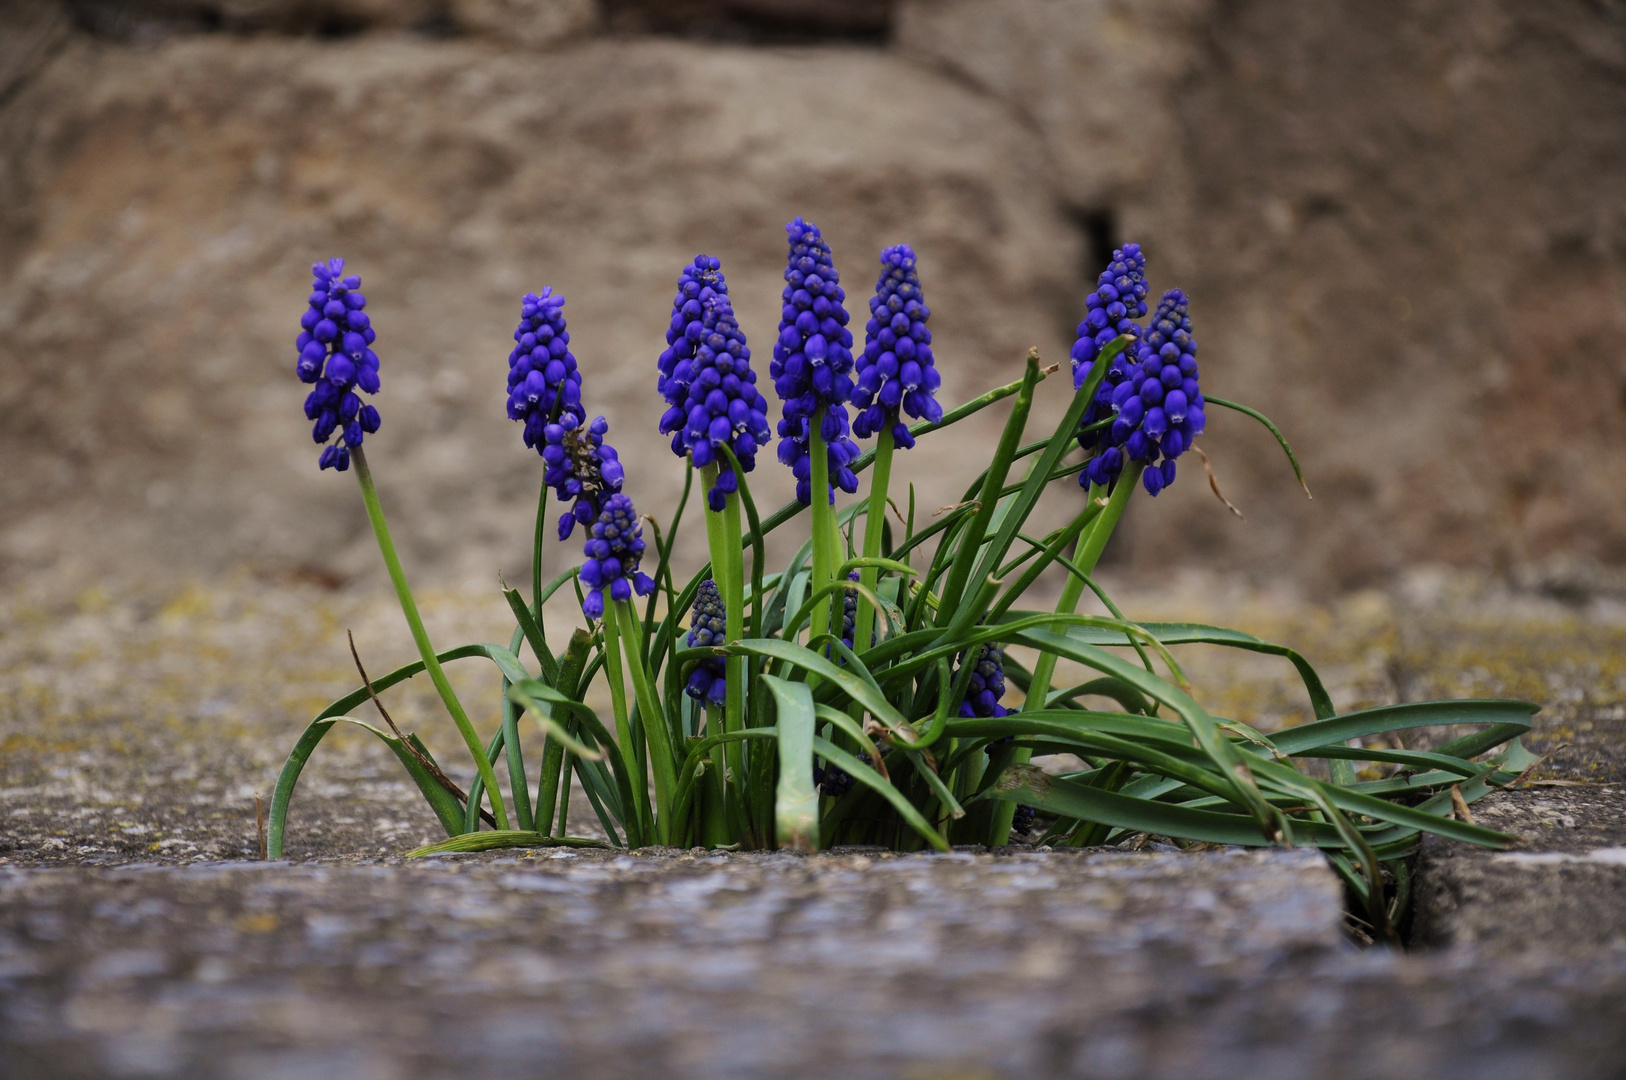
<point>673,964</point>
<point>1561,892</point>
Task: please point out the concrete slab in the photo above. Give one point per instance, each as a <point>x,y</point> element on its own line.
<point>1561,893</point>
<point>1091,964</point>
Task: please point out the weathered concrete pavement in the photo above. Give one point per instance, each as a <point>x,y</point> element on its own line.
<point>677,965</point>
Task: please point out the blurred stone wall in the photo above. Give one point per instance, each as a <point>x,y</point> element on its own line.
<point>1403,226</point>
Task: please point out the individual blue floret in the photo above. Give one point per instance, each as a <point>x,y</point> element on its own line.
<point>544,384</point>
<point>812,364</point>
<point>895,371</point>
<point>707,381</point>
<point>581,468</point>
<point>335,352</point>
<point>708,625</point>
<point>614,546</point>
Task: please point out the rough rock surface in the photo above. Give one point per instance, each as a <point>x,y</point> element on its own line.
<point>858,965</point>
<point>1400,225</point>
<point>1401,228</point>
<point>162,207</point>
<point>522,23</point>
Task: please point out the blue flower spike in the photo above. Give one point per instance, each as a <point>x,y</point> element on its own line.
<point>812,363</point>
<point>1160,403</point>
<point>708,624</point>
<point>849,613</point>
<point>335,353</point>
<point>1118,300</point>
<point>706,378</point>
<point>544,384</point>
<point>545,394</point>
<point>896,372</point>
<point>987,684</point>
<point>614,546</point>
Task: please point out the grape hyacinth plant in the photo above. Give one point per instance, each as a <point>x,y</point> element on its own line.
<point>896,691</point>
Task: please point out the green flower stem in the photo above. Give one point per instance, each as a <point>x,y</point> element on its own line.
<point>664,764</point>
<point>420,636</point>
<point>874,523</point>
<point>714,824</point>
<point>563,825</point>
<point>518,786</point>
<point>733,590</point>
<point>536,556</point>
<point>1090,546</point>
<point>1089,550</point>
<point>725,553</point>
<point>642,820</point>
<point>826,550</point>
<point>547,791</point>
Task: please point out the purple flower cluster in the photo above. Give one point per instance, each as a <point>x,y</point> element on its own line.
<point>896,370</point>
<point>614,546</point>
<point>811,363</point>
<point>1159,402</point>
<point>833,780</point>
<point>335,353</point>
<point>708,625</point>
<point>544,385</point>
<point>580,467</point>
<point>707,381</point>
<point>987,684</point>
<point>1118,300</point>
<point>849,613</point>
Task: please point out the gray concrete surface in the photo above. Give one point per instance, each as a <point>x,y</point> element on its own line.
<point>1562,891</point>
<point>675,965</point>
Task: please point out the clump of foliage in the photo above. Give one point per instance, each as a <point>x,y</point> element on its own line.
<point>855,694</point>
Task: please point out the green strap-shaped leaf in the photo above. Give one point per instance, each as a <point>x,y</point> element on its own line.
<point>1224,755</point>
<point>1200,634</point>
<point>796,802</point>
<point>532,631</point>
<point>1029,785</point>
<point>318,728</point>
<point>854,687</point>
<point>1511,715</point>
<point>522,695</point>
<point>1281,439</point>
<point>503,838</point>
<point>600,733</point>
